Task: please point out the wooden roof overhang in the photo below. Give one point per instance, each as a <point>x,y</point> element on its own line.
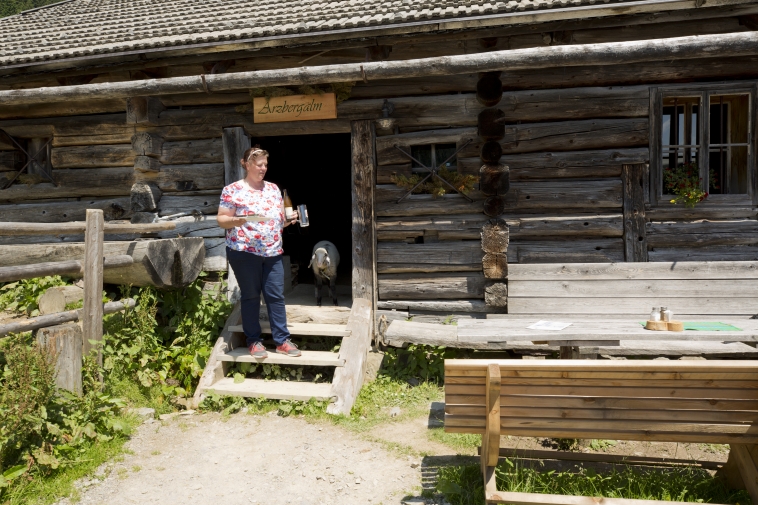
<point>613,53</point>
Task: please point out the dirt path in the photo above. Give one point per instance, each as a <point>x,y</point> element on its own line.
<point>245,459</point>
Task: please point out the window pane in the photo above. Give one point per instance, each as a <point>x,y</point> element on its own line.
<point>729,119</point>
<point>679,165</point>
<point>423,154</point>
<point>728,170</point>
<point>443,152</point>
<point>680,121</point>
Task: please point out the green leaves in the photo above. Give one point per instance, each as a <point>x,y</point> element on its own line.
<point>22,296</point>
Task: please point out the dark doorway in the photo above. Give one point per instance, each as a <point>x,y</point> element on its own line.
<point>316,171</point>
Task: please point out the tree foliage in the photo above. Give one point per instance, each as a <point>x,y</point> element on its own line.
<point>11,7</point>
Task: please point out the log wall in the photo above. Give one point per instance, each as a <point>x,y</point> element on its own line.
<point>568,133</point>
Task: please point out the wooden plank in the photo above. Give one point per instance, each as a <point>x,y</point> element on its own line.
<point>38,322</point>
<point>215,369</point>
<point>308,358</point>
<point>704,254</point>
<point>478,366</point>
<point>682,391</point>
<point>491,438</point>
<point>635,178</point>
<point>507,452</point>
<point>92,267</point>
<point>119,155</point>
<point>348,379</point>
<point>721,375</point>
<point>633,306</point>
<point>363,175</point>
<point>597,250</point>
<point>71,267</point>
<point>653,414</point>
<point>273,390</point>
<point>421,333</point>
<point>451,253</point>
<point>555,499</point>
<point>609,382</point>
<point>667,270</point>
<point>462,286</point>
<point>306,329</point>
<point>736,288</point>
<point>77,228</point>
<point>235,142</point>
<point>560,165</point>
<point>448,306</point>
<point>294,108</point>
<point>185,152</point>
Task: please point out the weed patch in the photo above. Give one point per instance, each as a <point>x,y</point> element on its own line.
<point>462,485</point>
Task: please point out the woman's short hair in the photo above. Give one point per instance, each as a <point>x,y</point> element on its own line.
<point>254,152</point>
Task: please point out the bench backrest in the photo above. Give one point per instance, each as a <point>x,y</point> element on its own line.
<point>692,287</point>
<point>673,401</point>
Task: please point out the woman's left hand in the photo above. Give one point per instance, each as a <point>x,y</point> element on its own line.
<point>293,220</point>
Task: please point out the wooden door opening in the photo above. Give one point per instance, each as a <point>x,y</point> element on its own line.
<point>316,171</point>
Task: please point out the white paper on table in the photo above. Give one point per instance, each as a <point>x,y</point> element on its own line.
<point>549,325</point>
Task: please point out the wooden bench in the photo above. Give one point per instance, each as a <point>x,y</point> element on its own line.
<point>666,401</point>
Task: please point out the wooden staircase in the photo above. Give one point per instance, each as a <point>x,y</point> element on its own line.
<point>349,363</point>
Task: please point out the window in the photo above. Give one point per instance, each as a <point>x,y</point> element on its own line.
<point>432,155</point>
<point>711,143</point>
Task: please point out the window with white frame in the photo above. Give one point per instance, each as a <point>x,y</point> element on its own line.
<point>706,134</point>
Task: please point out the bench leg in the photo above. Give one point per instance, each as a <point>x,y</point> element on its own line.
<point>743,457</point>
<point>491,438</point>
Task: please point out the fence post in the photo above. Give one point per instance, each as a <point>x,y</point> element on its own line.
<point>92,320</point>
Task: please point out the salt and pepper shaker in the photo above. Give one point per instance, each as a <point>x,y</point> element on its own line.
<point>666,314</point>
<point>655,315</point>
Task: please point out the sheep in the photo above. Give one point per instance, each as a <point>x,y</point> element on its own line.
<point>324,262</point>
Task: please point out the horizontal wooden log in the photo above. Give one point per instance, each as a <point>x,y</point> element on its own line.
<point>58,212</point>
<point>461,286</point>
<point>560,165</point>
<point>577,103</point>
<point>192,226</point>
<point>205,204</point>
<point>162,263</point>
<point>71,268</point>
<point>384,173</point>
<point>708,253</point>
<point>444,306</point>
<point>64,108</point>
<point>422,205</point>
<point>520,227</point>
<point>619,53</point>
<point>194,177</point>
<point>702,233</point>
<point>36,323</point>
<point>215,255</point>
<point>569,136</point>
<point>738,288</point>
<point>192,151</point>
<point>73,183</point>
<point>119,155</point>
<point>687,270</point>
<point>701,211</point>
<point>466,253</point>
<point>600,250</point>
<point>634,306</point>
<point>73,227</point>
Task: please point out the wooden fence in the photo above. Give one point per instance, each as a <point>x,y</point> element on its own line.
<point>71,341</point>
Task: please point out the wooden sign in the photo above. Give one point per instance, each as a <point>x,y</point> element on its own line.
<point>294,108</point>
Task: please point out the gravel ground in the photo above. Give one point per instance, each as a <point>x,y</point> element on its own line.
<point>246,459</point>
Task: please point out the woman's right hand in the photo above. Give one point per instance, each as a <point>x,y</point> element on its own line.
<point>226,218</point>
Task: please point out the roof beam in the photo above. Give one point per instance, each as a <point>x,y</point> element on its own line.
<point>614,53</point>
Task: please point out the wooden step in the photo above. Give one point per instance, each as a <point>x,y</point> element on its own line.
<point>305,329</point>
<point>273,390</point>
<point>311,358</point>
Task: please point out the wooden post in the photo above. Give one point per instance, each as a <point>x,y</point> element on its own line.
<point>491,438</point>
<point>235,142</point>
<point>92,312</point>
<point>635,240</point>
<point>65,340</point>
<point>747,469</point>
<point>364,241</point>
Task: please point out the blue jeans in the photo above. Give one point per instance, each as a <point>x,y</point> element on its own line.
<point>256,274</point>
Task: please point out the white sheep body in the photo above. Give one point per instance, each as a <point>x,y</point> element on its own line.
<point>324,262</point>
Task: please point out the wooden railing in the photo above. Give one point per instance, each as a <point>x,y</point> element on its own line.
<point>91,269</point>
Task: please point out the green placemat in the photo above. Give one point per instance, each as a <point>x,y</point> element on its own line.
<point>708,326</point>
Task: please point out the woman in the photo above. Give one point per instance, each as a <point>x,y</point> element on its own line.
<point>254,250</point>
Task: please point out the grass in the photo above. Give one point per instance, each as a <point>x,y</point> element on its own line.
<point>61,482</point>
<point>462,485</point>
<point>463,443</point>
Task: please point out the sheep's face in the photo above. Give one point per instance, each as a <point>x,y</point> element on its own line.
<point>320,259</point>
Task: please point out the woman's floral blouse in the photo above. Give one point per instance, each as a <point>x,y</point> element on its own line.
<point>264,238</point>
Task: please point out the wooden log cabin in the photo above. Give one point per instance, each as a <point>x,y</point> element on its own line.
<point>142,109</point>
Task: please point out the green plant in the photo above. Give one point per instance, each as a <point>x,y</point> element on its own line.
<point>309,408</point>
<point>424,362</point>
<point>463,183</point>
<point>22,296</point>
<point>43,429</point>
<point>685,183</point>
<point>601,445</point>
<point>462,485</point>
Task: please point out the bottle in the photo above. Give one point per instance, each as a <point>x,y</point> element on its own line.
<point>667,314</point>
<point>288,214</point>
<point>655,315</point>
